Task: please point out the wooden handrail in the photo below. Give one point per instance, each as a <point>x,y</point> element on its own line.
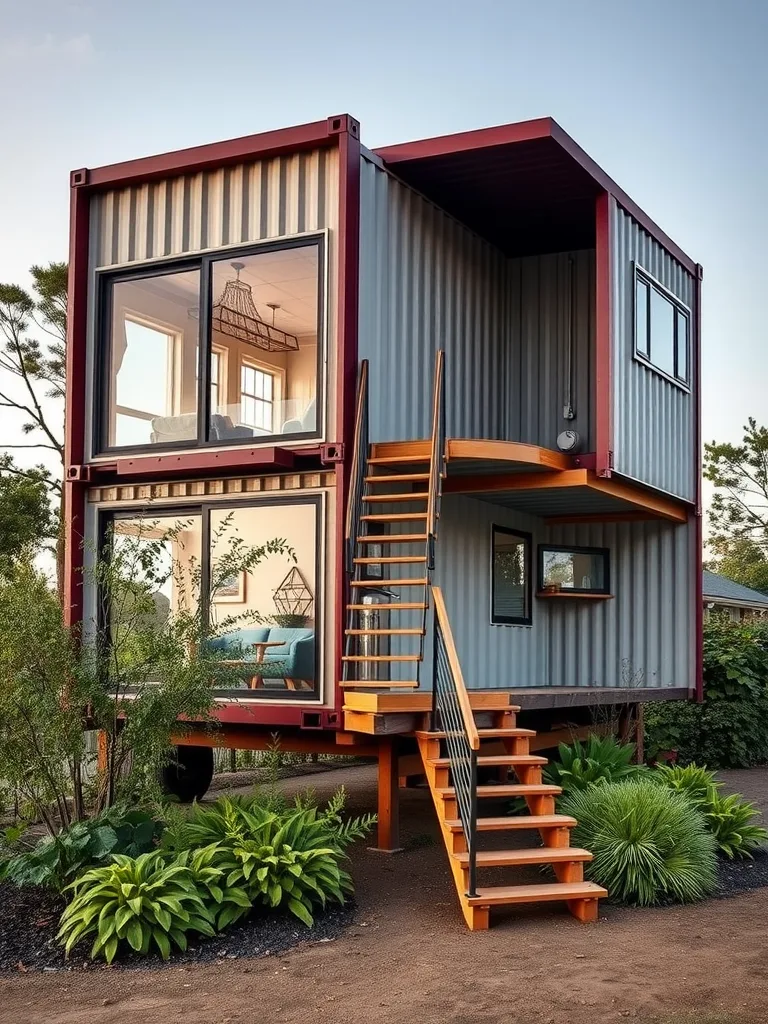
<point>434,461</point>
<point>468,717</point>
<point>362,387</point>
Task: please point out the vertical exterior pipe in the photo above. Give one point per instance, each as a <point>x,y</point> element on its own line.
<point>698,513</point>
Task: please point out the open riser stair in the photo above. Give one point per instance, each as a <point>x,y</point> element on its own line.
<point>394,504</point>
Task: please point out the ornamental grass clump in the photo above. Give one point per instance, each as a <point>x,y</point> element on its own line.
<point>650,844</point>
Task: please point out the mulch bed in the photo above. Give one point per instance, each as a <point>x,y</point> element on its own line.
<point>742,874</point>
<point>29,921</point>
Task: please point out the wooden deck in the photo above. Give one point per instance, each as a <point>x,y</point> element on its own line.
<point>387,713</point>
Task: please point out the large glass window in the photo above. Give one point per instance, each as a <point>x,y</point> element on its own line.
<point>258,315</point>
<point>251,570</point>
<point>510,577</point>
<point>661,329</point>
<point>151,392</point>
<point>574,570</point>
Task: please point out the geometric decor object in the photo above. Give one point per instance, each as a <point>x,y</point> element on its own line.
<point>293,596</point>
<point>235,314</point>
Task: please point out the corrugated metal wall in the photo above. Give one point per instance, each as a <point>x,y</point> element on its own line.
<point>642,637</point>
<point>551,349</point>
<point>428,282</point>
<point>267,199</point>
<point>654,420</point>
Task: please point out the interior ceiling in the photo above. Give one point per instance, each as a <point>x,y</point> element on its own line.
<point>288,277</point>
<point>524,197</point>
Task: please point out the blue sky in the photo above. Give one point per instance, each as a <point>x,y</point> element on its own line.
<point>669,97</point>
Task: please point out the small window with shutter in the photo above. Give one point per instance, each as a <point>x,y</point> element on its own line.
<point>510,577</point>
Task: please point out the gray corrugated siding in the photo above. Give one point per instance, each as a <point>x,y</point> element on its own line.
<point>266,199</point>
<point>642,637</point>
<point>654,425</point>
<point>426,282</point>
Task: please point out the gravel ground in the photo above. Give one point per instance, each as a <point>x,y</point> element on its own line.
<point>30,920</point>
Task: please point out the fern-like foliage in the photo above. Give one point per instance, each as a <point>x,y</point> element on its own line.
<point>650,844</point>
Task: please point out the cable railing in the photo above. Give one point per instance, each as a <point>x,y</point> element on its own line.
<point>452,714</point>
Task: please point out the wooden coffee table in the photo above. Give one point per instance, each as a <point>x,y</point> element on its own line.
<point>256,681</point>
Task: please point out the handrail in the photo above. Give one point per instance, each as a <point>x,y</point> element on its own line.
<point>468,718</point>
<point>437,454</point>
<point>359,461</point>
<point>452,715</point>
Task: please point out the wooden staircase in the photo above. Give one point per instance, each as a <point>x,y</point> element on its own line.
<point>452,759</point>
<point>394,503</point>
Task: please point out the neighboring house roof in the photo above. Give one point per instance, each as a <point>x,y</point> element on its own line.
<point>724,591</point>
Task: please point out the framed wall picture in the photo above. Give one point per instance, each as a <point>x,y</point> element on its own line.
<point>231,590</point>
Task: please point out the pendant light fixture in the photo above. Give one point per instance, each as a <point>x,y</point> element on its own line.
<point>235,315</point>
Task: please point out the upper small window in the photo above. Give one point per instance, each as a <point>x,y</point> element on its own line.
<point>573,570</point>
<point>661,329</point>
<point>510,577</point>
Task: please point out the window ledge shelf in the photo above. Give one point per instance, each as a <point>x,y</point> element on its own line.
<point>573,596</point>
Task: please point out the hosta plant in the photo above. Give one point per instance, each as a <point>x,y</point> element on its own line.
<point>135,902</point>
<point>650,844</point>
<point>599,760</point>
<point>290,864</point>
<point>56,861</point>
<point>209,868</point>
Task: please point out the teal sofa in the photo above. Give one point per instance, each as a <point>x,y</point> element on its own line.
<point>294,660</point>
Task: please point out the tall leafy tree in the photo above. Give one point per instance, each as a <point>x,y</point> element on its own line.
<point>739,511</point>
<point>25,517</point>
<point>33,332</point>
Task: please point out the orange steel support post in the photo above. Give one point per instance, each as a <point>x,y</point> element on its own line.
<point>388,834</point>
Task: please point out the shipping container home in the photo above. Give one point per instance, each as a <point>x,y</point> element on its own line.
<point>461,377</point>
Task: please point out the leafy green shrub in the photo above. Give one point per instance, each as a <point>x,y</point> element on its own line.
<point>600,760</point>
<point>719,733</point>
<point>278,854</point>
<point>650,845</point>
<point>135,901</point>
<point>730,820</point>
<point>735,660</point>
<point>210,869</point>
<point>55,861</point>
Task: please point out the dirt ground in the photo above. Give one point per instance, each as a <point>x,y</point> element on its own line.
<point>408,958</point>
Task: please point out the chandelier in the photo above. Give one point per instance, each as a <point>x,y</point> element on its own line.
<point>235,314</point>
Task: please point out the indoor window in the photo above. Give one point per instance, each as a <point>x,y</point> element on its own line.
<point>257,395</point>
<point>661,329</point>
<point>242,333</point>
<point>573,570</point>
<point>510,577</point>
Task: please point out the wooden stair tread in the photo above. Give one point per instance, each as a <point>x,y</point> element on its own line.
<point>539,855</point>
<point>403,606</point>
<point>518,789</point>
<point>392,538</point>
<point>517,821</point>
<point>383,632</point>
<point>381,657</point>
<point>492,895</point>
<point>486,733</point>
<point>397,460</point>
<point>404,496</point>
<point>395,477</point>
<point>496,760</point>
<point>381,684</point>
<point>390,583</point>
<point>392,517</point>
<point>391,560</point>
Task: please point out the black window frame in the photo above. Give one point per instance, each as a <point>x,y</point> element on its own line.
<point>107,278</point>
<point>106,516</point>
<point>577,549</point>
<point>678,306</point>
<point>527,538</point>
